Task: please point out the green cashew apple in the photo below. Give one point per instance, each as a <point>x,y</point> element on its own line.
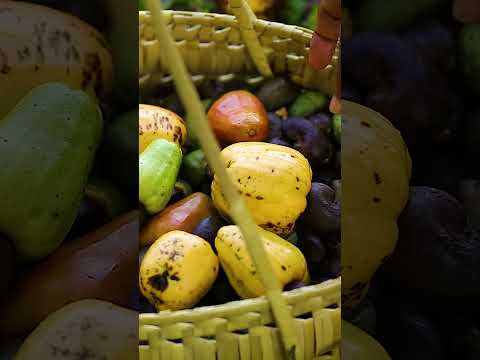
<point>47,148</point>
<point>158,168</point>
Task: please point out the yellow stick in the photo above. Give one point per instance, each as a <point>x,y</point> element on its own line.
<point>239,212</point>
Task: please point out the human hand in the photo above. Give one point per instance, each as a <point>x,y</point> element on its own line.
<point>325,40</point>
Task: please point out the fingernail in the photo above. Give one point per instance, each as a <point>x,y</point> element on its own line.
<point>335,105</point>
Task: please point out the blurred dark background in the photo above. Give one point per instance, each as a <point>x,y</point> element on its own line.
<point>110,194</point>
<point>418,63</point>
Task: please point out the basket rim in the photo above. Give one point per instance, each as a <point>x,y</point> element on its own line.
<point>322,80</point>
<point>330,288</point>
<point>229,17</point>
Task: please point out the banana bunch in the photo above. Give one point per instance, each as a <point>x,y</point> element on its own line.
<point>41,45</point>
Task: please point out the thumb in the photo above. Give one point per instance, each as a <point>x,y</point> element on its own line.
<point>326,35</point>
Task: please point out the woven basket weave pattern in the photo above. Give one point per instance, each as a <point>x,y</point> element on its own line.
<point>245,330</point>
<point>212,45</point>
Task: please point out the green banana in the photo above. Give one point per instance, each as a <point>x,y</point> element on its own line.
<point>47,148</point>
<point>159,165</point>
<point>41,45</point>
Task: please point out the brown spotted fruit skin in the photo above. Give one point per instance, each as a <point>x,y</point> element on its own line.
<point>177,271</point>
<point>155,123</point>
<point>376,170</point>
<point>85,329</point>
<point>288,262</point>
<point>274,181</point>
<point>40,45</point>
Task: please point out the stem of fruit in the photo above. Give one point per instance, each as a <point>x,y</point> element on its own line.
<point>239,211</point>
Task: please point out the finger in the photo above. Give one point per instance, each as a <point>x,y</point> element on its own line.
<point>333,8</point>
<point>327,26</point>
<point>335,105</point>
<point>327,33</point>
<point>321,51</point>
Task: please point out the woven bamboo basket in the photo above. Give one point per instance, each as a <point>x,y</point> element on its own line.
<point>218,45</point>
<point>185,47</point>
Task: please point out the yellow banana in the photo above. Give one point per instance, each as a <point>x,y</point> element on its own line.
<point>41,45</point>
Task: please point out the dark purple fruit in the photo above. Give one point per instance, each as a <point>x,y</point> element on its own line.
<point>436,256</point>
<point>274,126</point>
<point>463,334</point>
<point>436,45</point>
<point>325,175</point>
<point>407,332</point>
<point>173,103</point>
<point>323,210</point>
<point>398,84</point>
<point>208,228</point>
<point>138,302</point>
<point>313,248</point>
<point>294,285</point>
<point>335,266</point>
<point>323,122</point>
<point>280,141</point>
<point>308,139</point>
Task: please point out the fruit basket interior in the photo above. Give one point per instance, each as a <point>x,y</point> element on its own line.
<point>302,323</point>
